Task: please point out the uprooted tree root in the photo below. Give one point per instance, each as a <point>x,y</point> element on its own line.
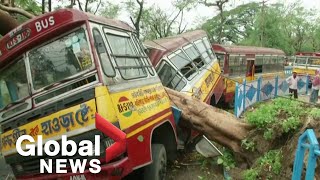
<point>225,129</point>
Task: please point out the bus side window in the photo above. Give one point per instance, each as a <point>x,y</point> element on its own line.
<point>170,77</point>
<point>258,64</point>
<point>102,52</point>
<point>267,66</point>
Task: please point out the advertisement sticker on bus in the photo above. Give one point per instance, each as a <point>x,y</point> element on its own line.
<point>18,38</point>
<point>62,122</point>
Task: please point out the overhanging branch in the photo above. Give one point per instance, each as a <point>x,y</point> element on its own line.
<point>16,10</point>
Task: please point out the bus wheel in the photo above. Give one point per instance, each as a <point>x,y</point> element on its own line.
<point>158,169</point>
<point>231,104</point>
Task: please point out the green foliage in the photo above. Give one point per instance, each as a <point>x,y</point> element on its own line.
<point>270,163</point>
<point>263,116</point>
<point>250,174</point>
<point>289,27</point>
<point>291,123</point>
<point>248,145</point>
<point>238,23</point>
<point>315,113</point>
<point>268,134</point>
<point>227,160</point>
<point>110,10</point>
<point>281,112</point>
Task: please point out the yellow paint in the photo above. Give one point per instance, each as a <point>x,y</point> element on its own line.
<point>300,70</point>
<point>148,125</point>
<point>72,115</point>
<point>105,105</point>
<point>211,76</point>
<point>135,105</point>
<point>230,84</point>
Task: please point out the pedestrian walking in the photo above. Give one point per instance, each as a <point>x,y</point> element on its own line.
<point>315,87</point>
<point>293,84</point>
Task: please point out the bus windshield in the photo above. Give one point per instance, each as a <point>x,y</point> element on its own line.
<point>13,84</point>
<point>314,61</point>
<point>62,58</point>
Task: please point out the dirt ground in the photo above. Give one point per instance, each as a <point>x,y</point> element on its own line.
<point>193,166</point>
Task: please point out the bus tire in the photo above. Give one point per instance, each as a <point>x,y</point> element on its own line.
<point>231,104</point>
<point>157,170</point>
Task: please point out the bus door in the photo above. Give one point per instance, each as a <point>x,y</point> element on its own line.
<point>250,58</point>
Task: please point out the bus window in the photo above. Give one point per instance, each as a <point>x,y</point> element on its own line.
<point>258,64</point>
<point>314,61</point>
<point>170,77</point>
<point>60,59</point>
<point>237,65</point>
<point>143,52</point>
<point>103,55</point>
<point>13,84</point>
<point>203,51</point>
<point>301,61</point>
<point>267,66</point>
<point>128,60</point>
<point>184,64</point>
<point>208,46</point>
<point>221,59</point>
<point>194,55</point>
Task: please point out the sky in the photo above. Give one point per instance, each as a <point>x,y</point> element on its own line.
<point>199,14</point>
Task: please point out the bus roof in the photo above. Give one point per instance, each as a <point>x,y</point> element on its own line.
<point>308,54</point>
<point>164,46</point>
<point>232,49</point>
<point>47,26</point>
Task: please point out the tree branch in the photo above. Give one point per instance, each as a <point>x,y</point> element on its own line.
<point>97,7</point>
<point>79,4</point>
<point>86,6</point>
<point>17,10</point>
<point>180,23</point>
<point>170,23</point>
<point>137,23</point>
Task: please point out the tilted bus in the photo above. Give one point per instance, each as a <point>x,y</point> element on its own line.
<point>187,63</point>
<point>247,62</point>
<point>71,73</point>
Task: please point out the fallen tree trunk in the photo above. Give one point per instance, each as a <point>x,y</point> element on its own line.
<point>218,125</point>
<point>7,23</point>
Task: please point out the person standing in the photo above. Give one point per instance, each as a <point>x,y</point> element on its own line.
<point>315,87</point>
<point>293,84</point>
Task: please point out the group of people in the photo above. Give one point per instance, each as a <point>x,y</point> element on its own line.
<point>293,86</point>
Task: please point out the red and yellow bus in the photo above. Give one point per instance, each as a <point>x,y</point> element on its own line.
<point>306,63</point>
<point>247,62</point>
<point>71,73</point>
<point>187,63</point>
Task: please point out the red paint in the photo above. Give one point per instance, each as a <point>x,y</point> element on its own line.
<point>64,20</point>
<point>140,152</point>
<point>119,137</point>
<point>308,54</point>
<point>145,121</point>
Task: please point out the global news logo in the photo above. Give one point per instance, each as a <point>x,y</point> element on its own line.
<point>27,146</point>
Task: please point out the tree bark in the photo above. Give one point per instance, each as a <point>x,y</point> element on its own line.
<point>16,10</point>
<point>7,23</point>
<point>218,125</point>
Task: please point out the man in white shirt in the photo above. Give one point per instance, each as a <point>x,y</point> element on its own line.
<point>293,84</point>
